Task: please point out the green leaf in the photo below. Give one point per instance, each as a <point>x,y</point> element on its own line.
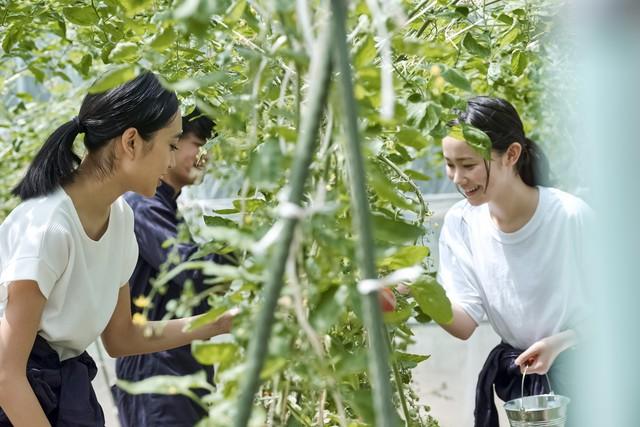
<point>417,176</point>
<point>113,78</point>
<point>505,19</point>
<point>366,53</point>
<point>10,37</point>
<point>385,188</point>
<point>431,117</point>
<point>248,205</point>
<point>85,64</point>
<point>474,47</point>
<point>288,133</point>
<point>404,257</point>
<point>209,353</point>
<point>432,299</point>
<point>168,384</point>
<point>457,79</point>
<point>209,317</point>
<point>437,50</point>
<point>163,39</point>
<point>394,231</point>
<point>476,138</point>
<point>233,237</point>
<point>397,316</point>
<point>218,221</point>
<point>352,363</point>
<point>124,52</point>
<point>37,72</point>
<point>519,62</point>
<point>191,84</point>
<point>235,11</point>
<point>409,360</point>
<point>227,211</point>
<point>326,312</point>
<point>272,366</point>
<point>83,15</point>
<point>135,6</point>
<point>209,268</point>
<point>412,138</point>
<point>510,37</point>
<point>266,163</point>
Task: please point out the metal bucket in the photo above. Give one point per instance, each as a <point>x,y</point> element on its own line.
<point>543,410</point>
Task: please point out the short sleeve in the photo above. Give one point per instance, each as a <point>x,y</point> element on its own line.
<point>34,253</point>
<point>455,269</point>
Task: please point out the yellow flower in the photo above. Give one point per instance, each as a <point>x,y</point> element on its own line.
<point>142,301</point>
<point>139,319</point>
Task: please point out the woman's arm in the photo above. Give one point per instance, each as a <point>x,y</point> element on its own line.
<point>462,326</point>
<point>18,329</point>
<point>541,355</point>
<point>122,337</point>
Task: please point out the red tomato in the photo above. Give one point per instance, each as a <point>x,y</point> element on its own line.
<point>387,300</point>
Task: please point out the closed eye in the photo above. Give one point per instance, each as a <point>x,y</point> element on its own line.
<point>173,147</point>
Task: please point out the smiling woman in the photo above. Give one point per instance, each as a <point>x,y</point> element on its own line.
<point>512,252</point>
<point>68,250</point>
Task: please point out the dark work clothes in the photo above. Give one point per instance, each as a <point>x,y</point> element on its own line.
<point>155,222</point>
<point>63,388</point>
<point>501,371</point>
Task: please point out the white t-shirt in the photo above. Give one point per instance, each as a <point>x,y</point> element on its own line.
<point>529,284</point>
<point>43,240</point>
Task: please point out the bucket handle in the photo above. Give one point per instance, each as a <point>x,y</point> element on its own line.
<point>524,375</point>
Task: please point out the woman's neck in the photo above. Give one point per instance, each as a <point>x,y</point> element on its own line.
<point>515,206</point>
<point>92,198</point>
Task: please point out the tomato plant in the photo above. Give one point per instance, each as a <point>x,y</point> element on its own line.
<point>249,65</point>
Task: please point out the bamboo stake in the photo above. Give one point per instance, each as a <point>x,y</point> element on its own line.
<point>307,142</point>
<point>386,415</point>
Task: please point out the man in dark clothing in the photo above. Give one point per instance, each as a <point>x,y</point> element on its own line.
<point>156,221</point>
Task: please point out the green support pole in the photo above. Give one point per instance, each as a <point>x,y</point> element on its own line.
<point>306,146</point>
<point>385,412</point>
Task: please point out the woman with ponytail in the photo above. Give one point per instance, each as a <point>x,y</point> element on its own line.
<point>511,252</point>
<point>68,250</point>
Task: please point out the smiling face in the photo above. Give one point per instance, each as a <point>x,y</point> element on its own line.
<point>468,170</point>
<point>189,162</point>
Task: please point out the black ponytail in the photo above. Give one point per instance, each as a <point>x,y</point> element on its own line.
<point>53,164</point>
<point>533,165</point>
<point>500,121</point>
<point>141,103</point>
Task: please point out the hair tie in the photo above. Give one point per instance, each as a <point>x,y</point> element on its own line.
<point>78,125</point>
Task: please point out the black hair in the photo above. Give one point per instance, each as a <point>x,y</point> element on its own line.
<point>198,124</point>
<point>141,103</point>
<point>500,121</point>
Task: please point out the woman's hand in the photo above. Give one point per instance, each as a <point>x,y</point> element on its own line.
<point>541,355</point>
<point>223,324</point>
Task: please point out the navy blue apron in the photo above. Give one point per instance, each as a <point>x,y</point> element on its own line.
<point>500,370</point>
<point>63,388</point>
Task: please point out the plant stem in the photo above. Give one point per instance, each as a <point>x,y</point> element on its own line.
<point>416,189</point>
<point>307,141</point>
<point>399,386</point>
<point>378,356</point>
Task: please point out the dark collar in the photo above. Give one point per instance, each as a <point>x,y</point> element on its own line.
<point>167,194</point>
